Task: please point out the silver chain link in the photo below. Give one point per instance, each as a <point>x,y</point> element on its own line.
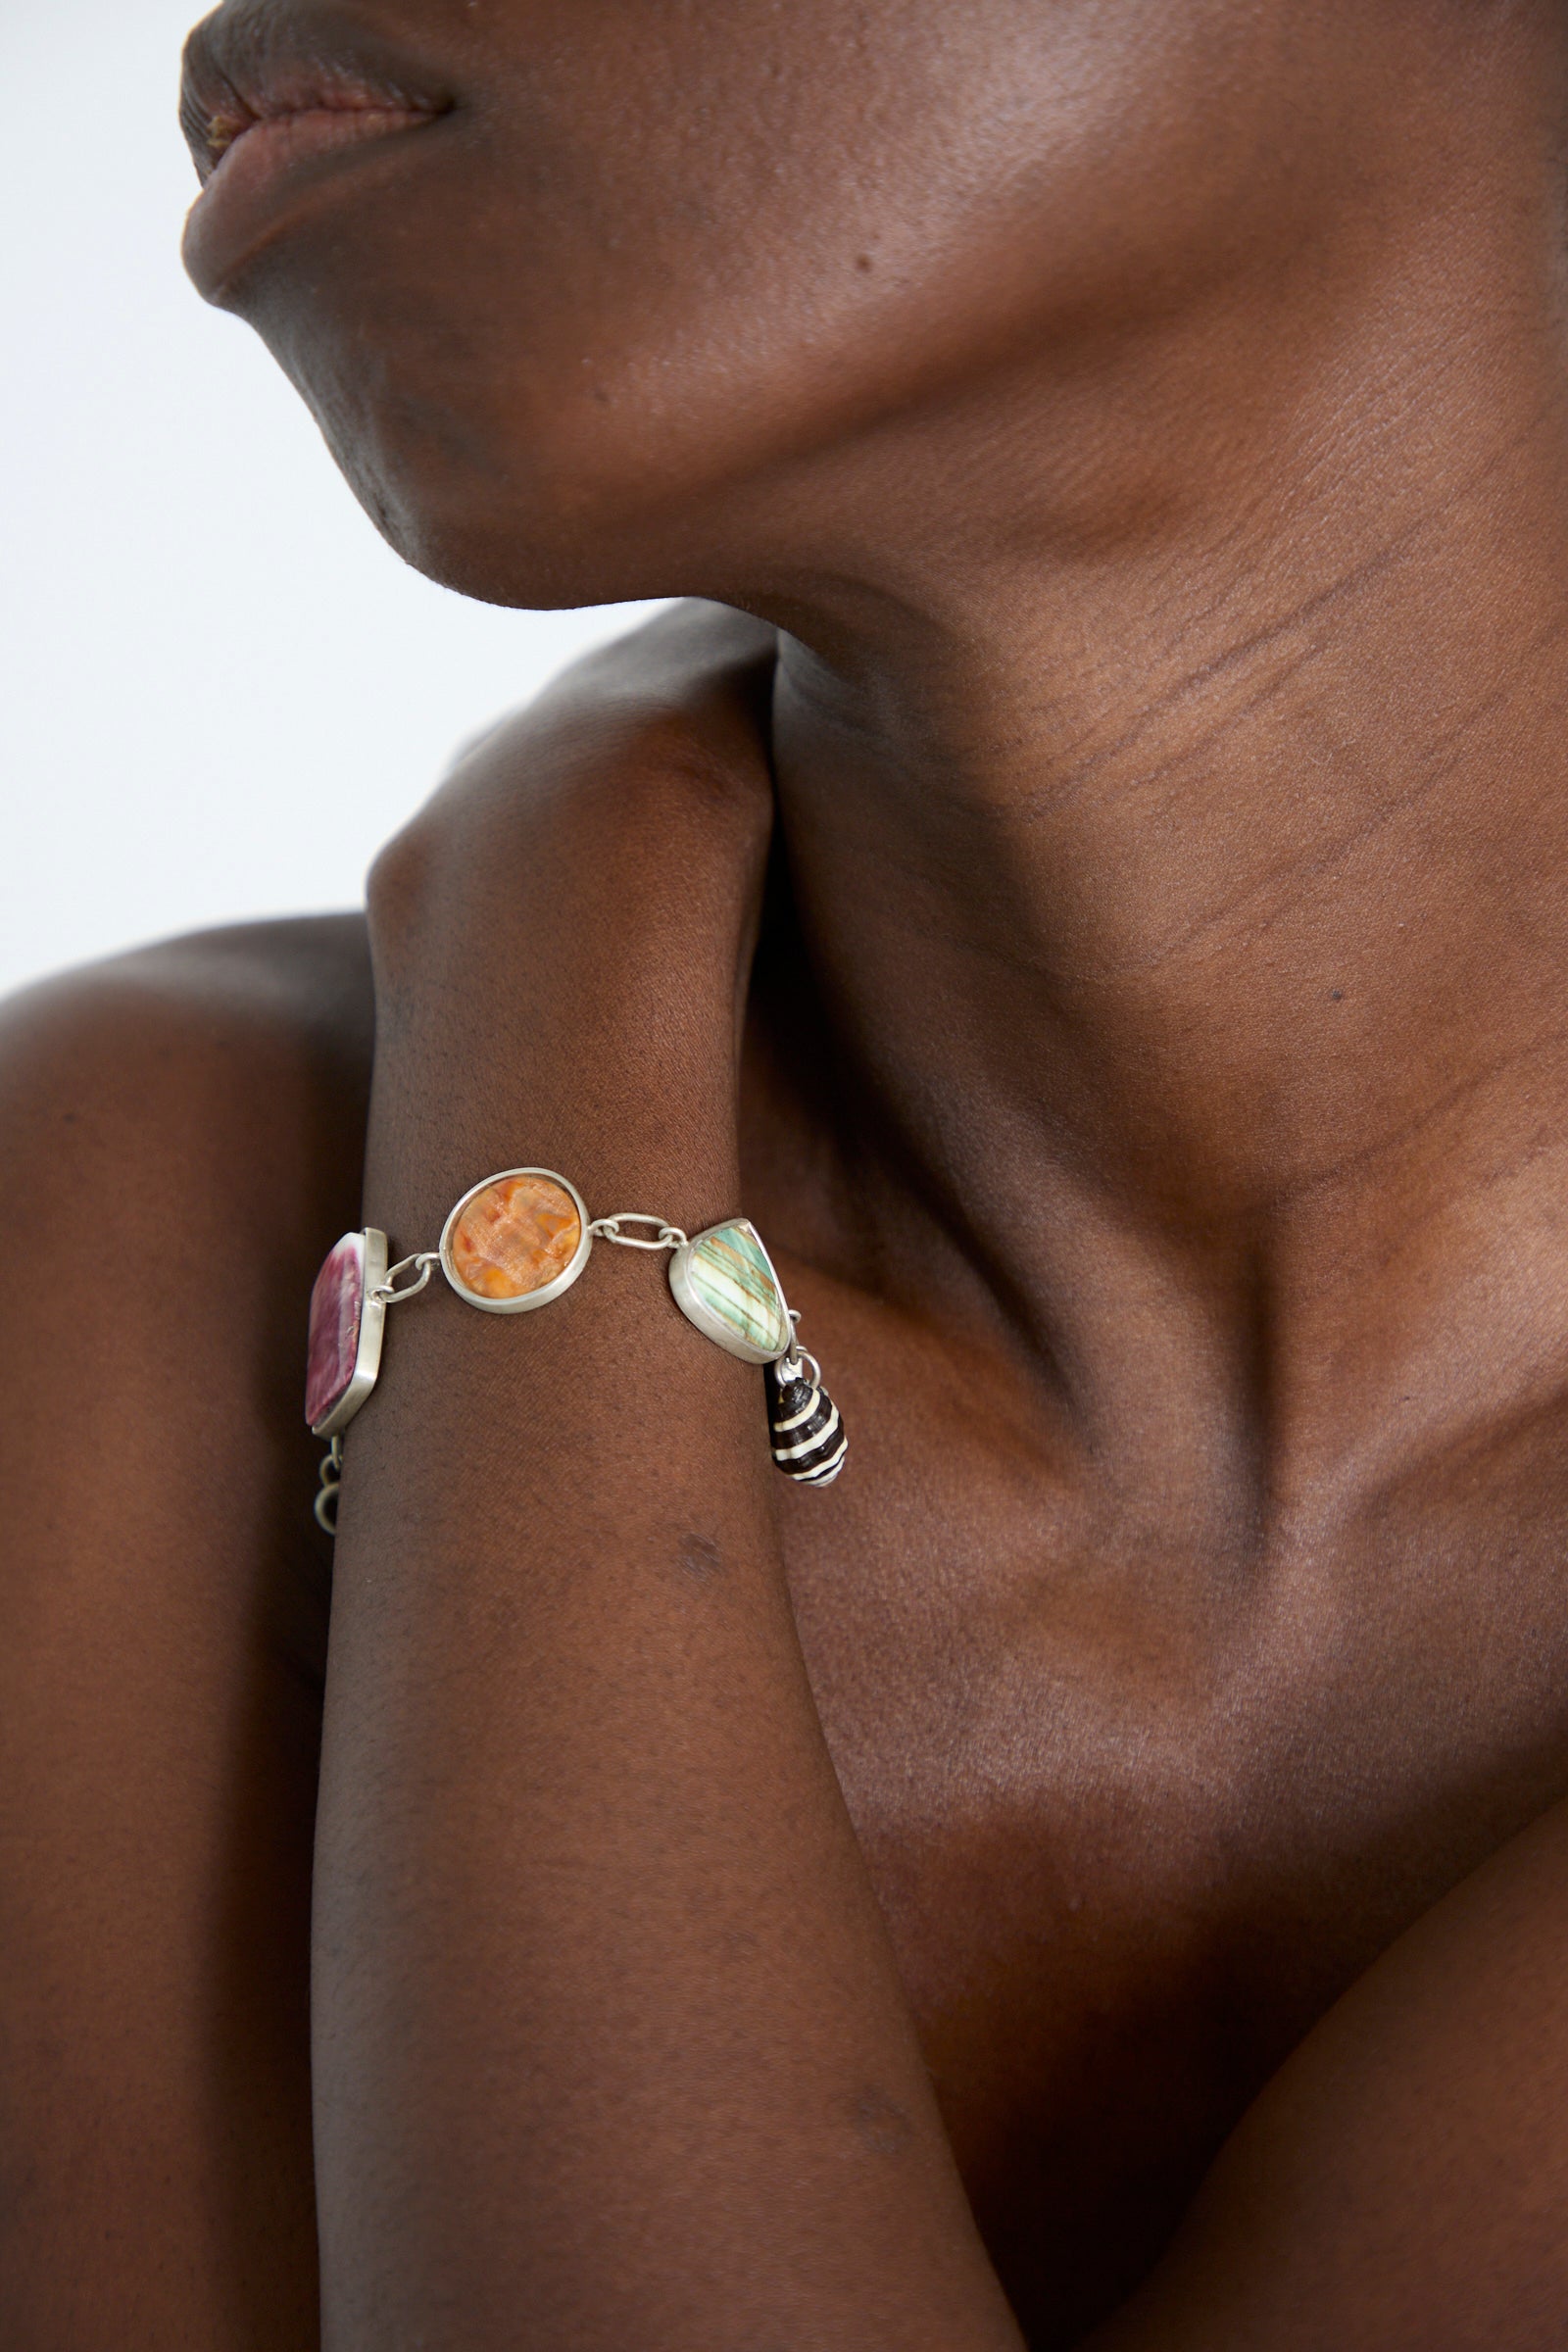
<point>608,1229</point>
<point>387,1293</point>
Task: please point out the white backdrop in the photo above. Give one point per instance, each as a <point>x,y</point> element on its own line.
<point>219,690</point>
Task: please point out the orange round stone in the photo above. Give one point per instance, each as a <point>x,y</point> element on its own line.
<point>515,1237</point>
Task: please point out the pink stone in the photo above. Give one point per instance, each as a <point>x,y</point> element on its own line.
<point>337,1308</point>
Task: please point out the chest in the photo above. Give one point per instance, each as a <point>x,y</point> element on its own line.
<point>1136,1813</point>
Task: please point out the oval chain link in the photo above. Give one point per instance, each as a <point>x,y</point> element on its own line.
<point>608,1229</point>
<point>387,1293</point>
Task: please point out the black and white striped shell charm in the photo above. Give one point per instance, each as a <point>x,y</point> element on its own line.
<point>803,1423</point>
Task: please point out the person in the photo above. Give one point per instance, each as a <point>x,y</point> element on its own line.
<point>1081,871</point>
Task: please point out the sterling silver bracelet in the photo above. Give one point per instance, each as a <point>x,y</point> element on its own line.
<point>516,1241</point>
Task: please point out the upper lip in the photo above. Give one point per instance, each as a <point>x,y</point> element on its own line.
<point>252,62</point>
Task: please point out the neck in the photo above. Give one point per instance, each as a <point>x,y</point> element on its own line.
<point>1180,851</point>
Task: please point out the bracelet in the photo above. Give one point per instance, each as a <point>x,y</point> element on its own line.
<point>516,1241</point>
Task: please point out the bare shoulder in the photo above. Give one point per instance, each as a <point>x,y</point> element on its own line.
<point>236,1058</point>
<point>209,996</point>
<point>182,1138</point>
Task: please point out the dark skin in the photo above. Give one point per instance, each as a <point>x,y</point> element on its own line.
<point>1100,1873</point>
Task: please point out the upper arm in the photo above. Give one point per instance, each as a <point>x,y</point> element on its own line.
<point>177,1131</point>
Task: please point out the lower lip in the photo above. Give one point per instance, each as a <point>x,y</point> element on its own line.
<point>246,201</point>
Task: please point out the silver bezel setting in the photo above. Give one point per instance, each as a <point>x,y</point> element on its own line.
<point>697,1311</point>
<point>530,1298</point>
<point>373,1327</point>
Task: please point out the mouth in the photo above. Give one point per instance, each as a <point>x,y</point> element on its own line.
<point>264,102</point>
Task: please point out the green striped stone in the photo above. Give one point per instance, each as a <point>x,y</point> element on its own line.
<point>729,1272</point>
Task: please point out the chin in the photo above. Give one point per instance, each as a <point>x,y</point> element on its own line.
<point>511,549</point>
<point>502,518</point>
<point>537,535</point>
<point>535,500</point>
<point>519,559</point>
